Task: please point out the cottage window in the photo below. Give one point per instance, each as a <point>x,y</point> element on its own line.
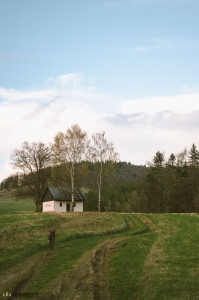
<point>60,204</point>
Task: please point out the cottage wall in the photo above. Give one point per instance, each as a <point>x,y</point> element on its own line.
<point>59,208</point>
<point>78,207</point>
<point>48,206</point>
<point>55,206</point>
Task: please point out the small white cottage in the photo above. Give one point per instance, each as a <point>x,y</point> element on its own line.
<point>59,199</point>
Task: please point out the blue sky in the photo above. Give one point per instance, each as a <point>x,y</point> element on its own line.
<point>129,67</point>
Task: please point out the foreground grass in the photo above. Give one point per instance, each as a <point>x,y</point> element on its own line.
<point>175,273</point>
<point>160,259</point>
<point>159,265</point>
<point>23,235</point>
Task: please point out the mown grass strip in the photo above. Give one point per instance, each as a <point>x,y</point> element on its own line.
<point>126,267</point>
<point>174,272</point>
<point>159,265</point>
<point>135,225</point>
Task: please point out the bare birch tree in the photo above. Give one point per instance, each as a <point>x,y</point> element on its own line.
<point>69,149</point>
<point>33,159</point>
<point>182,158</point>
<point>103,154</point>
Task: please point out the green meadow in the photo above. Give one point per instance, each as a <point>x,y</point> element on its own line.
<point>157,255</point>
<point>10,203</point>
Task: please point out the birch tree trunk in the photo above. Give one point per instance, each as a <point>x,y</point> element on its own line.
<point>99,183</point>
<point>103,152</point>
<point>99,200</point>
<point>72,186</point>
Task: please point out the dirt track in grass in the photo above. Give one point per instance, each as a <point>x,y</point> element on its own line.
<point>150,224</point>
<point>88,278</point>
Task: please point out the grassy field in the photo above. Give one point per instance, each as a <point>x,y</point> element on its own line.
<point>143,256</point>
<point>8,202</point>
<point>162,263</point>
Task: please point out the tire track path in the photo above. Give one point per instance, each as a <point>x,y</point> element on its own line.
<point>88,279</point>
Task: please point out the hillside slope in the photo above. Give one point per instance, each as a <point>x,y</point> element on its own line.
<point>101,255</point>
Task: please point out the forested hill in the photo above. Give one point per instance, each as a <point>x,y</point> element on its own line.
<point>121,172</point>
<point>128,172</point>
<point>117,173</point>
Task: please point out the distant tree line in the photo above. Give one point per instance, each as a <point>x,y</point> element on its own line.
<point>170,186</point>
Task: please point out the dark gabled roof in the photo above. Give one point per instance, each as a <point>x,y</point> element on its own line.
<point>65,194</point>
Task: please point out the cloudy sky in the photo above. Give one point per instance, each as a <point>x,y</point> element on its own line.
<point>129,67</point>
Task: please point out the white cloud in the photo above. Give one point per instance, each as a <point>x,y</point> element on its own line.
<point>179,103</point>
<point>65,80</point>
<point>71,81</point>
<point>14,95</point>
<point>138,128</point>
<point>140,136</point>
<point>164,121</point>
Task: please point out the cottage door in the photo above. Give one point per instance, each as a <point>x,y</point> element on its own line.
<point>67,207</point>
